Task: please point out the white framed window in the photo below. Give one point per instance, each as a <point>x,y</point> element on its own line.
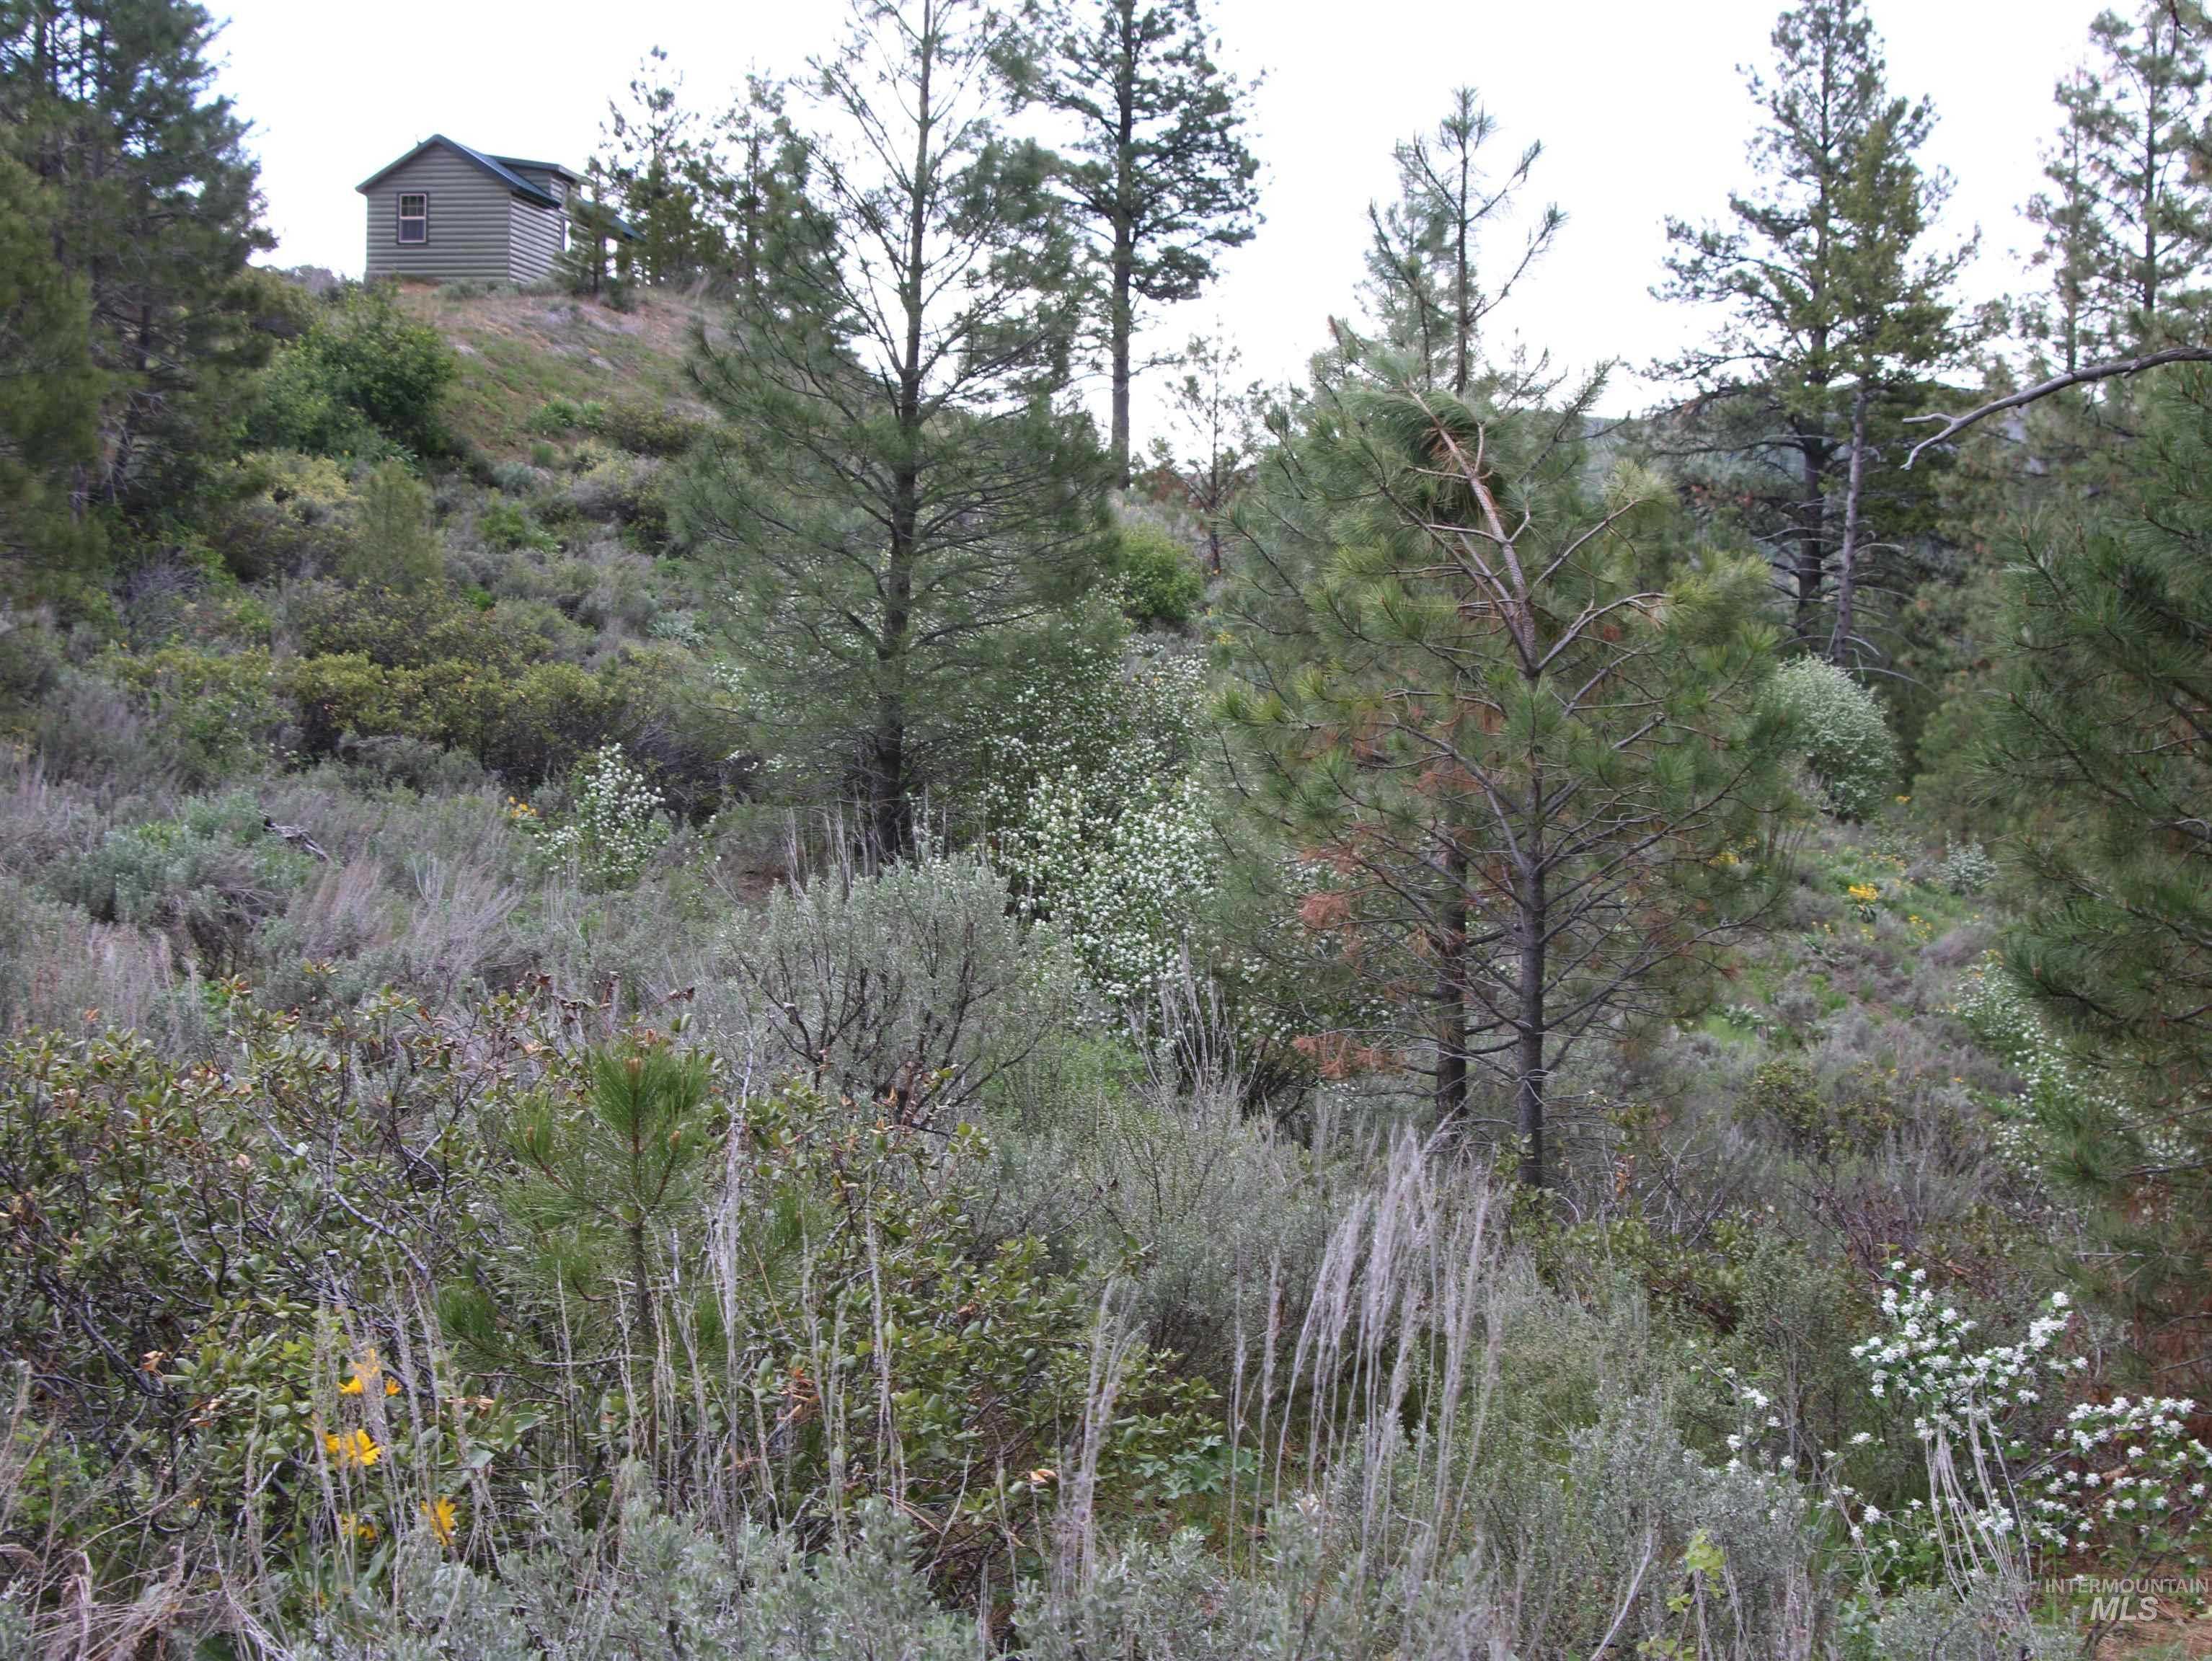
<point>414,216</point>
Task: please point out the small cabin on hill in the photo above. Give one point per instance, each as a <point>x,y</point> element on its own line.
<point>446,212</point>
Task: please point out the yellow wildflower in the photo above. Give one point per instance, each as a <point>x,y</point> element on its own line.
<point>1865,892</point>
<point>366,1372</point>
<point>361,1528</point>
<point>353,1447</point>
<point>440,1516</point>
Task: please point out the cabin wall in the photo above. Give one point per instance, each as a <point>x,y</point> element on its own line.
<point>469,227</point>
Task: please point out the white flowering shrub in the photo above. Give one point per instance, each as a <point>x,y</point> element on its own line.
<point>1967,868</point>
<point>2006,1484</point>
<point>1096,816</point>
<point>615,827</point>
<point>1122,880</point>
<point>2063,1095</point>
<point>2015,1482</point>
<point>1839,729</point>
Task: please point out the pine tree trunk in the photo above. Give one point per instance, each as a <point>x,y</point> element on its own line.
<point>1812,560</point>
<point>1124,274</point>
<point>1451,993</point>
<point>1840,642</point>
<point>890,820</point>
<point>1529,1080</point>
<point>1122,324</point>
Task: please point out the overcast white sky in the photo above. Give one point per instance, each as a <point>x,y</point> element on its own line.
<point>1639,103</point>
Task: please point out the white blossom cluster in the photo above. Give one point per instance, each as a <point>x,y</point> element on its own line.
<point>1097,820</point>
<point>2056,1085</point>
<point>615,827</point>
<point>2125,1465</point>
<point>1122,881</point>
<point>2004,1468</point>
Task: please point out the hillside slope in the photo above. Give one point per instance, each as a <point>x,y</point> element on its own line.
<point>518,350</point>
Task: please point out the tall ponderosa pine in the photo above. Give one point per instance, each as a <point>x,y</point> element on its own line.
<point>2076,242</point>
<point>2102,723</point>
<point>2132,171</point>
<point>1515,733</point>
<point>1160,172</point>
<point>50,393</point>
<point>1431,291</point>
<point>155,210</point>
<point>900,485</point>
<point>1828,293</point>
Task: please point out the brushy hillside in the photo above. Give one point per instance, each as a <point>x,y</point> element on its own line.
<point>464,1124</point>
<point>687,970</point>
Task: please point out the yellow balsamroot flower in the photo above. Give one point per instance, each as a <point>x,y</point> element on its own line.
<point>440,1516</point>
<point>353,1448</point>
<point>361,1528</point>
<point>1865,892</point>
<point>366,1373</point>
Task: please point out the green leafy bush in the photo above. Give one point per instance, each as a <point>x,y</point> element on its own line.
<point>208,879</point>
<point>364,377</point>
<point>394,544</point>
<point>30,663</point>
<point>525,724</point>
<point>284,512</point>
<point>1839,728</point>
<point>220,714</point>
<point>507,524</point>
<point>642,428</point>
<point>1160,582</point>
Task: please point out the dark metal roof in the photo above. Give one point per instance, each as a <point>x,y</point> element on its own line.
<point>539,166</point>
<point>506,175</point>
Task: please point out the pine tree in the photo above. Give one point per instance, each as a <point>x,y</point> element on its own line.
<point>1429,291</point>
<point>758,187</point>
<point>1513,731</point>
<point>2100,727</point>
<point>2144,217</point>
<point>1837,316</point>
<point>597,261</point>
<point>2076,241</point>
<point>394,544</point>
<point>1160,172</point>
<point>1217,419</point>
<point>661,174</point>
<point>609,1177</point>
<point>50,393</point>
<point>2144,161</point>
<point>156,211</point>
<point>900,486</point>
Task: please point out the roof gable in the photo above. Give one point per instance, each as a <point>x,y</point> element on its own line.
<point>507,176</point>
